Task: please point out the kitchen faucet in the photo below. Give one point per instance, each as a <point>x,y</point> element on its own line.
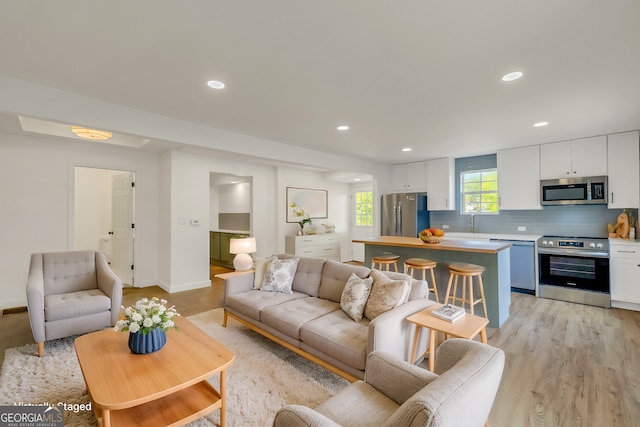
<point>472,221</point>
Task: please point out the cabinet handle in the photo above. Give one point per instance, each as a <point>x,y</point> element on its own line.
<point>612,197</point>
<point>626,252</point>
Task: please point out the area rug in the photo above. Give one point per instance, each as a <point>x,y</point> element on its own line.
<point>263,378</point>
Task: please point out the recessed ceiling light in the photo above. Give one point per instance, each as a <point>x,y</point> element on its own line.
<point>356,179</point>
<point>98,135</point>
<point>406,149</point>
<point>512,76</point>
<point>343,127</point>
<point>215,84</point>
<point>540,124</point>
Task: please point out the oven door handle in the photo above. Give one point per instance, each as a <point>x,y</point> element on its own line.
<point>573,252</point>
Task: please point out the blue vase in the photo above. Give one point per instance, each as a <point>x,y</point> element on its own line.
<point>140,343</point>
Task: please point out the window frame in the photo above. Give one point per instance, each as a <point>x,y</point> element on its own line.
<point>481,192</point>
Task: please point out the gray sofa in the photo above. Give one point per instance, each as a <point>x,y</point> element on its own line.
<point>397,394</point>
<point>310,321</point>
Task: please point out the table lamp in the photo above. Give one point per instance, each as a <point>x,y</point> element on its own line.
<point>242,248</point>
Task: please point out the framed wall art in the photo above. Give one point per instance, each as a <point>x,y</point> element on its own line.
<point>305,202</point>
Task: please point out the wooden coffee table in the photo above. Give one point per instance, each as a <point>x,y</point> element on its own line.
<point>468,326</point>
<point>167,387</point>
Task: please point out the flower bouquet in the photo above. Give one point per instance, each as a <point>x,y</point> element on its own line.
<point>146,322</point>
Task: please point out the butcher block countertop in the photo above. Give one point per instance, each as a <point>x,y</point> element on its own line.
<point>446,244</point>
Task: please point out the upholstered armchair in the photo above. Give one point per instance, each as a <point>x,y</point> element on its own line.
<point>70,293</point>
<point>395,393</point>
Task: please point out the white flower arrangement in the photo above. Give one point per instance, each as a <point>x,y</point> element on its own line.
<point>147,315</point>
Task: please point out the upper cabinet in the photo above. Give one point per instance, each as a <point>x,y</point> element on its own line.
<point>624,170</point>
<point>409,177</point>
<point>441,184</point>
<point>573,159</point>
<point>519,178</point>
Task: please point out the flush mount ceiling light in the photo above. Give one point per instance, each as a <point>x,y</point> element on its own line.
<point>406,149</point>
<point>343,127</point>
<point>215,84</point>
<point>96,135</point>
<point>512,76</point>
<point>540,124</point>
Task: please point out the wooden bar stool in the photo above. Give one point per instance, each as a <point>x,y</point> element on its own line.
<point>413,264</point>
<point>385,260</point>
<point>467,272</point>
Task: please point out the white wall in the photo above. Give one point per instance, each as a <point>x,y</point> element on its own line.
<point>37,215</point>
<point>234,198</point>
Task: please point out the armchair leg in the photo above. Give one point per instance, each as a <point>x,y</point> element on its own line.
<point>41,349</point>
<point>224,322</point>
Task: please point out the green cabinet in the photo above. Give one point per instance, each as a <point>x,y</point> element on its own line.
<point>219,243</point>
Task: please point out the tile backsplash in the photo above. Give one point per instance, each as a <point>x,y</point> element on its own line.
<point>584,221</point>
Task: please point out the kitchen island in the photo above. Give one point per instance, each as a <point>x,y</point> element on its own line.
<point>494,256</point>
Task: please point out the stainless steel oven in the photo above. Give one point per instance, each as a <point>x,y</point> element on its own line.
<point>574,269</point>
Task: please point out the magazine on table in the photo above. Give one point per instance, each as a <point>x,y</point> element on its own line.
<point>448,312</point>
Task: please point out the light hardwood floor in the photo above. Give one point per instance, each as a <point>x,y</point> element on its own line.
<point>566,364</point>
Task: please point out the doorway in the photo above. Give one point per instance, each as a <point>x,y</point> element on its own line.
<point>104,217</point>
<point>361,218</point>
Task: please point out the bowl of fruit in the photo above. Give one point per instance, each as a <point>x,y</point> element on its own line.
<point>431,235</point>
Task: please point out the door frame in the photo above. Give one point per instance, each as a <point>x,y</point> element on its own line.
<point>357,248</point>
<point>72,204</point>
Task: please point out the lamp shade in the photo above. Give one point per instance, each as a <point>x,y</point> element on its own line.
<point>245,245</point>
<point>242,247</point>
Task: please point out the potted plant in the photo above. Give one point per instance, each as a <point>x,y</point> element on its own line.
<point>146,321</point>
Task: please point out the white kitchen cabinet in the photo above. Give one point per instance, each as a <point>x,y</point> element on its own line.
<point>409,177</point>
<point>623,161</point>
<point>624,273</point>
<point>441,184</point>
<point>519,178</point>
<point>314,246</point>
<point>575,158</point>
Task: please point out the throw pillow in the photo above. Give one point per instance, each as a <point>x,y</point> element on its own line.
<point>355,295</point>
<point>279,275</point>
<point>258,272</point>
<point>386,294</point>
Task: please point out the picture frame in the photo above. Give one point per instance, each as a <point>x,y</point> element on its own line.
<point>312,202</point>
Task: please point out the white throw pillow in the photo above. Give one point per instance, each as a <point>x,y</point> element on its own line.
<point>258,272</point>
<point>386,294</point>
<point>279,275</point>
<point>355,295</point>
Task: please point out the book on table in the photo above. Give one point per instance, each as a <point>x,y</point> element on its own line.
<point>448,312</point>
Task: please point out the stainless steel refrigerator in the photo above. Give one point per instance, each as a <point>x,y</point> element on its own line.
<point>404,214</point>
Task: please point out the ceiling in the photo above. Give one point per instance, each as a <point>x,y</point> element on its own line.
<point>422,74</point>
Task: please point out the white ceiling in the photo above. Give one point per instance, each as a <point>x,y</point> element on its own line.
<point>423,74</point>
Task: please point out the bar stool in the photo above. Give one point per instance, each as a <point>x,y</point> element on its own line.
<point>385,260</point>
<point>467,272</point>
<point>413,264</point>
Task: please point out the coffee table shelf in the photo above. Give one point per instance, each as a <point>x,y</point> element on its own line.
<point>175,409</point>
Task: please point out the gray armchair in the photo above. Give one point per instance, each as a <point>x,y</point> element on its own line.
<point>396,393</point>
<point>70,293</point>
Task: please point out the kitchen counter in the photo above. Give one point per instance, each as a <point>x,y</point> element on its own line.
<point>494,256</point>
<point>489,236</point>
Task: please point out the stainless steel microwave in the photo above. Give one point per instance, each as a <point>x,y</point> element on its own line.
<point>574,191</point>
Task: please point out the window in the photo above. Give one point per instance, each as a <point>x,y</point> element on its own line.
<point>364,208</point>
<point>479,191</point>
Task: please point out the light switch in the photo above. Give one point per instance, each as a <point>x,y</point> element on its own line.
<point>195,222</point>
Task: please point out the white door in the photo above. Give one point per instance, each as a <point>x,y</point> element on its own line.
<point>122,226</point>
<point>361,218</point>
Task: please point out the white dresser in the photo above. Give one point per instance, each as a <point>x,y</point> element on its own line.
<point>314,246</point>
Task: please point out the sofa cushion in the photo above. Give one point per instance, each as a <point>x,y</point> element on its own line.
<point>258,271</point>
<point>355,295</point>
<point>338,336</point>
<point>289,317</point>
<point>279,275</point>
<point>334,277</point>
<point>418,287</point>
<point>373,407</point>
<point>386,294</point>
<point>66,272</point>
<point>308,275</point>
<point>75,304</point>
<point>251,303</point>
